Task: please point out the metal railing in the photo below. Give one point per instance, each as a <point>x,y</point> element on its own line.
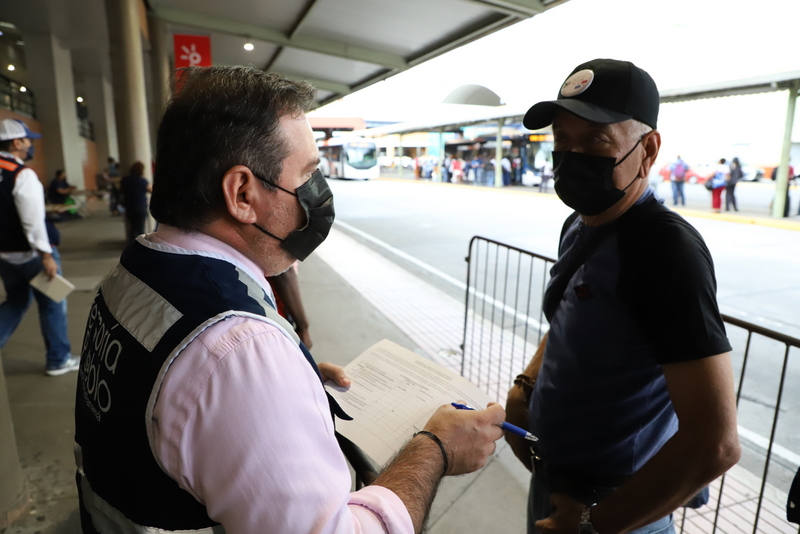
<point>504,322</point>
<point>86,129</point>
<point>13,99</point>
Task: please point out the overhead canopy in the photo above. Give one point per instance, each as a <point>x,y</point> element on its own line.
<point>449,118</point>
<point>757,84</point>
<point>453,117</point>
<point>340,46</point>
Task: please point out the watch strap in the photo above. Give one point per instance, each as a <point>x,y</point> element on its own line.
<point>586,526</point>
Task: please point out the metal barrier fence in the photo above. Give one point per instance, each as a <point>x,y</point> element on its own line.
<point>15,97</point>
<point>503,323</point>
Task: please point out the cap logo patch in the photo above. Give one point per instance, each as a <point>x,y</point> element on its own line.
<point>577,83</point>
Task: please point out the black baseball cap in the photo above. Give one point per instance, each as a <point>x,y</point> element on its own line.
<point>603,91</point>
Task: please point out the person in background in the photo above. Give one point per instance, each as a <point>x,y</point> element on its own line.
<point>446,174</point>
<point>476,169</point>
<point>517,165</point>
<point>113,179</point>
<point>547,175</point>
<point>505,164</point>
<point>59,189</point>
<point>719,180</point>
<point>677,177</point>
<point>457,169</point>
<point>488,169</point>
<point>632,401</point>
<point>133,197</point>
<point>26,249</point>
<point>220,419</point>
<point>289,302</point>
<point>735,175</point>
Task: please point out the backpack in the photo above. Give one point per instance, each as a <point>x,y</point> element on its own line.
<point>679,170</point>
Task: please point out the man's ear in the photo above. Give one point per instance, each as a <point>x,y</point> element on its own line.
<point>651,144</point>
<point>240,190</point>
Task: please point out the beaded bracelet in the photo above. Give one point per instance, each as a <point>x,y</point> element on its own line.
<point>435,438</point>
<point>526,383</point>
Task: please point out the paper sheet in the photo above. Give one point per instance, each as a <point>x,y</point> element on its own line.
<point>393,394</point>
<point>57,289</point>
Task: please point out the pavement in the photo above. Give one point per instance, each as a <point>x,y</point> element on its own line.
<point>351,305</point>
<point>492,500</point>
<point>754,200</point>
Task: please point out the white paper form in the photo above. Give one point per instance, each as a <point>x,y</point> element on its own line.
<point>393,394</point>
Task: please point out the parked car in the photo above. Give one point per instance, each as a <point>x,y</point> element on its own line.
<point>752,173</point>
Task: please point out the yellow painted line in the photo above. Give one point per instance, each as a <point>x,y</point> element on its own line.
<point>784,224</point>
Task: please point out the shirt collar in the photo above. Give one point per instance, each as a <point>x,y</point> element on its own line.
<point>10,155</point>
<point>200,242</point>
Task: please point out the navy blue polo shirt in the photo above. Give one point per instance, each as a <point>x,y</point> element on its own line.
<point>646,297</point>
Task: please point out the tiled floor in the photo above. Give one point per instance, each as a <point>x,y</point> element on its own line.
<point>435,322</point>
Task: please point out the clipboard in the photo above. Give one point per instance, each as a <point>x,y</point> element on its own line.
<point>56,289</point>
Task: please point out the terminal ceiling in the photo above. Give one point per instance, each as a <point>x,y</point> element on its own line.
<point>340,46</point>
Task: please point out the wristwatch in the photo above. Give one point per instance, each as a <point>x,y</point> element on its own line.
<point>586,526</point>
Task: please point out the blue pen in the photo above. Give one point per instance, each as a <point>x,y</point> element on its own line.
<point>505,426</point>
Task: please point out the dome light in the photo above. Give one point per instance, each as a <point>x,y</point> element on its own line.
<point>249,46</point>
<point>23,89</point>
<point>79,99</point>
<point>11,67</point>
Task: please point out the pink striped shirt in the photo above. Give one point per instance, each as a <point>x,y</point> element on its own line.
<point>242,423</point>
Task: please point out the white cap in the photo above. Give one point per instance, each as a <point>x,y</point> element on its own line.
<point>14,129</point>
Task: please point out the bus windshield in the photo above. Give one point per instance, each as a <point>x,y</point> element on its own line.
<point>361,155</point>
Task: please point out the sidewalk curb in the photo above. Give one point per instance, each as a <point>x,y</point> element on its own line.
<point>742,219</point>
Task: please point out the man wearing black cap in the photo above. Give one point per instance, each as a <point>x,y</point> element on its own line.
<point>631,391</point>
<point>25,248</point>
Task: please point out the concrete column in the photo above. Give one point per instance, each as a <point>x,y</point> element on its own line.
<point>782,182</point>
<point>50,71</point>
<point>99,98</point>
<point>13,490</point>
<point>498,155</point>
<point>159,63</point>
<point>130,98</point>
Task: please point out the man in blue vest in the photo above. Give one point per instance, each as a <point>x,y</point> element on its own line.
<point>198,408</point>
<point>631,390</point>
<point>26,250</point>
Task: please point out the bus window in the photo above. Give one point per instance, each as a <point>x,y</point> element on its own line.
<point>361,155</point>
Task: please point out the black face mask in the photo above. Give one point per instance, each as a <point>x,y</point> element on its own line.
<point>316,199</point>
<point>585,182</point>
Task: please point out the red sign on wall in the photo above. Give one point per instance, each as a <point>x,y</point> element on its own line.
<point>192,50</point>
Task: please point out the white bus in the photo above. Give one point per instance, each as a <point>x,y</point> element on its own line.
<point>349,157</point>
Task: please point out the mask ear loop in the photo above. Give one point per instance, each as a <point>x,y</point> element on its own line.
<point>626,157</point>
<point>268,233</point>
<point>630,151</point>
<point>261,178</point>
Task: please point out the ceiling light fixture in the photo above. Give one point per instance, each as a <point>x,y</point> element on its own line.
<point>11,67</point>
<point>79,99</point>
<point>248,46</point>
<point>23,89</point>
